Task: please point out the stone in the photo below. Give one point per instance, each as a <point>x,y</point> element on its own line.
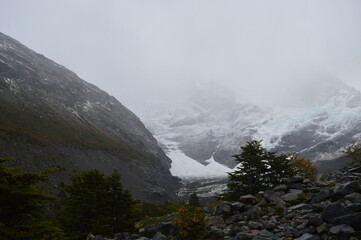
<point>268,225</point>
<point>345,189</point>
<point>142,238</point>
<point>289,196</point>
<point>217,221</point>
<point>308,236</point>
<point>323,195</point>
<point>315,220</point>
<point>342,228</point>
<point>159,236</point>
<point>237,206</point>
<point>356,207</point>
<point>355,170</point>
<point>352,220</point>
<point>281,188</point>
<point>254,213</point>
<point>254,225</point>
<point>248,199</point>
<point>233,219</point>
<point>301,206</point>
<point>353,197</point>
<point>90,237</point>
<point>223,208</point>
<point>274,197</point>
<point>322,228</point>
<point>333,211</point>
<point>164,227</point>
<point>296,191</point>
<point>97,237</point>
<point>214,234</point>
<point>261,238</point>
<point>265,233</point>
<point>292,180</point>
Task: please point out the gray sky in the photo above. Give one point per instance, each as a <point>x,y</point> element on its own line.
<point>136,50</point>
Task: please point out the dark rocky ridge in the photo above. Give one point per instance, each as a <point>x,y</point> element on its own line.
<point>50,117</point>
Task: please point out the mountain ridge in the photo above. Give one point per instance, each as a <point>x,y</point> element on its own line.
<point>50,110</point>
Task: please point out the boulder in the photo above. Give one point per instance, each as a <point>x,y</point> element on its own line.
<point>356,207</point>
<point>237,207</point>
<point>308,236</point>
<point>254,213</point>
<point>342,228</point>
<point>353,220</point>
<point>165,228</point>
<point>344,189</point>
<point>333,211</point>
<point>217,221</point>
<point>290,196</point>
<point>301,206</point>
<point>353,197</point>
<point>248,199</point>
<point>281,188</point>
<point>159,236</point>
<point>224,208</point>
<point>321,196</point>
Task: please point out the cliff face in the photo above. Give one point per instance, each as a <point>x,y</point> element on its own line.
<point>50,117</point>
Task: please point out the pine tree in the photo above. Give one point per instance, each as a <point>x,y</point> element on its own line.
<point>98,204</point>
<point>193,200</point>
<point>22,205</point>
<point>258,170</point>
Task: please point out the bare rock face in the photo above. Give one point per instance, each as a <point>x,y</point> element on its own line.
<point>50,117</point>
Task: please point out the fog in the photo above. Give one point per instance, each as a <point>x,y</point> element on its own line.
<point>140,50</point>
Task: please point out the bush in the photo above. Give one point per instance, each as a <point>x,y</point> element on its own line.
<point>303,167</point>
<point>190,219</point>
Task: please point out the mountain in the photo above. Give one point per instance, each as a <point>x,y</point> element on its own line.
<point>49,117</point>
<point>210,125</point>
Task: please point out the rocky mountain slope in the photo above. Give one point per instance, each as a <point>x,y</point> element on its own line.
<point>50,117</point>
<point>210,125</point>
<point>328,209</point>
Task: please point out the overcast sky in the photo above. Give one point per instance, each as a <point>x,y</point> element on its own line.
<point>136,50</point>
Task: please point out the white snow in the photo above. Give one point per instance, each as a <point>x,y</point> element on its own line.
<point>186,167</point>
<point>228,123</point>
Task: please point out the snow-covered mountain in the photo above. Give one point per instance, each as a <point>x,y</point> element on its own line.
<point>209,125</point>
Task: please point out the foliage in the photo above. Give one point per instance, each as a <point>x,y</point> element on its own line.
<point>354,152</point>
<point>303,167</point>
<point>22,205</point>
<point>194,200</point>
<point>190,219</point>
<point>97,203</point>
<point>258,170</point>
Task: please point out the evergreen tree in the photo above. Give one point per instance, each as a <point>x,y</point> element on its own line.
<point>258,170</point>
<point>22,205</point>
<point>194,200</point>
<point>98,204</point>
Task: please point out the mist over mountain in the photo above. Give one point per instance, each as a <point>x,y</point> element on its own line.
<point>318,119</point>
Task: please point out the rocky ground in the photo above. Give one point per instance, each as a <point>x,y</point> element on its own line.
<point>327,209</point>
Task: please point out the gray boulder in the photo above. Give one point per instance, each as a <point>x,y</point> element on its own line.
<point>308,236</point>
<point>159,236</point>
<point>333,211</point>
<point>342,228</point>
<point>342,190</point>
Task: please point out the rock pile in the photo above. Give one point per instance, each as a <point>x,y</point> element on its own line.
<point>298,209</point>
